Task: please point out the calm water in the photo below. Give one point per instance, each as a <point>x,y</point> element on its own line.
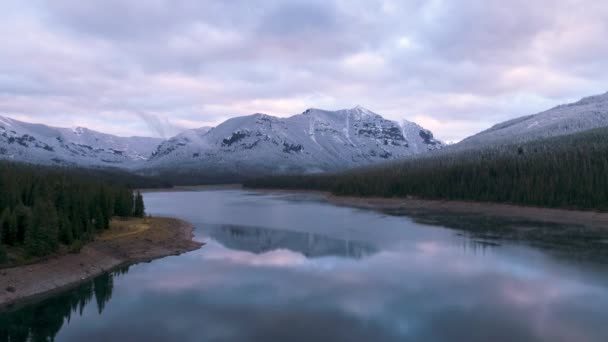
<point>281,267</point>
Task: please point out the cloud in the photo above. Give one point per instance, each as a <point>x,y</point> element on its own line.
<point>161,127</point>
<point>460,65</point>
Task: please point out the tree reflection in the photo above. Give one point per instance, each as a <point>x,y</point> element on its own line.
<point>42,321</point>
<point>568,241</point>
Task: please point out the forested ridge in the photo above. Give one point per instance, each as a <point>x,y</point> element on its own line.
<point>564,172</point>
<point>43,208</point>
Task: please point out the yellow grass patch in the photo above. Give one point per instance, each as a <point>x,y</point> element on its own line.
<point>120,228</point>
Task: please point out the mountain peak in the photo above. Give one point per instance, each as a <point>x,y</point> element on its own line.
<point>356,109</point>
<point>363,112</point>
<point>361,109</point>
<point>310,110</point>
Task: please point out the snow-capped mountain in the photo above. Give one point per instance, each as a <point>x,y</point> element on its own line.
<point>40,144</point>
<point>588,113</point>
<point>314,141</point>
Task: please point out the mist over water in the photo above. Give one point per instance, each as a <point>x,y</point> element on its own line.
<point>290,267</point>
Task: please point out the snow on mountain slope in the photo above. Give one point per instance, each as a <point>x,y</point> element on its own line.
<point>588,113</point>
<point>424,137</point>
<point>316,140</point>
<point>36,143</point>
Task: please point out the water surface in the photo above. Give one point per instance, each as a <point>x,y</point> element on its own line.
<point>290,267</point>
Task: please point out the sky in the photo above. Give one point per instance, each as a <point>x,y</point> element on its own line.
<point>153,68</point>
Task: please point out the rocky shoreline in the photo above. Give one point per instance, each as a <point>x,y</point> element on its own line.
<point>160,237</point>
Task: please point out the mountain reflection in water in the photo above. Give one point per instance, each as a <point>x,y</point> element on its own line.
<point>260,240</point>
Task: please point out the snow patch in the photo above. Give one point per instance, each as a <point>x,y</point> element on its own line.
<point>364,111</point>
<point>534,124</point>
<point>311,130</point>
<point>346,129</point>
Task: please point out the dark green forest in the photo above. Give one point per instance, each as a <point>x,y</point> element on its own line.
<point>561,172</point>
<point>42,209</point>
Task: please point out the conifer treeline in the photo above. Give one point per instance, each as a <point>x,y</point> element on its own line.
<point>566,172</point>
<point>41,208</point>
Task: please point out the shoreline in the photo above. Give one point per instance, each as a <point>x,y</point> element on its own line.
<point>189,188</point>
<point>414,206</point>
<point>160,238</point>
<point>537,214</point>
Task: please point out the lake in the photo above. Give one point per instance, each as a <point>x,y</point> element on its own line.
<point>292,267</point>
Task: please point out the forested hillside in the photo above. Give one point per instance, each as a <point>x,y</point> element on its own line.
<point>566,172</point>
<point>42,209</point>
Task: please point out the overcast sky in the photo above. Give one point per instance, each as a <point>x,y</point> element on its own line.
<point>134,67</point>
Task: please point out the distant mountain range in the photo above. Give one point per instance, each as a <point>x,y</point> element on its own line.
<point>314,141</point>
<point>40,144</point>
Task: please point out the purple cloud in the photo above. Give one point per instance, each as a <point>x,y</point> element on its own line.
<point>456,67</point>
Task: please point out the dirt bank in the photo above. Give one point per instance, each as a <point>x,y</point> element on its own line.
<point>183,188</point>
<point>126,242</point>
<point>415,206</point>
<point>561,216</point>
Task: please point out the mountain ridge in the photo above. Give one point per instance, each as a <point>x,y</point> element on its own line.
<point>41,144</point>
<point>315,140</point>
<point>587,113</point>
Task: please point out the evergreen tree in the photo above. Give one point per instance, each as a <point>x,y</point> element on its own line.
<point>66,235</point>
<point>3,254</point>
<point>98,220</point>
<point>8,227</point>
<point>139,210</point>
<point>23,216</point>
<point>10,237</point>
<point>4,222</point>
<point>43,236</point>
